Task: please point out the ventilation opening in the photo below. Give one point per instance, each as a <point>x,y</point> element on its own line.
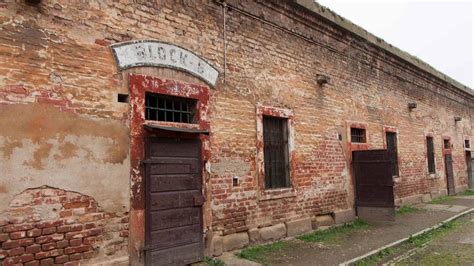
<point>358,135</point>
<point>447,145</point>
<point>122,98</point>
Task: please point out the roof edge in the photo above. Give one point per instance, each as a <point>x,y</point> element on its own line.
<point>359,31</point>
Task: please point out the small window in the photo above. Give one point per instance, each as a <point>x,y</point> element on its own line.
<point>275,152</point>
<point>169,109</point>
<point>358,135</point>
<point>467,144</point>
<point>392,148</point>
<point>446,144</point>
<point>430,155</point>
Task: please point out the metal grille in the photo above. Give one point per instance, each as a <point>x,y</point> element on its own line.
<point>430,154</point>
<point>446,144</point>
<point>358,135</point>
<point>392,148</point>
<point>275,135</point>
<point>170,109</point>
<point>467,144</point>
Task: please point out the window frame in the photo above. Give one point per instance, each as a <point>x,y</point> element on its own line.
<point>192,106</point>
<point>364,131</point>
<point>433,153</point>
<point>273,181</point>
<point>276,193</point>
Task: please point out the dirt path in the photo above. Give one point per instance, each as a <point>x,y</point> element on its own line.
<point>363,240</point>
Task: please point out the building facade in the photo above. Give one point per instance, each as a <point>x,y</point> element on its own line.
<point>132,130</point>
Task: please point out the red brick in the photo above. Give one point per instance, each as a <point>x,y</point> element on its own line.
<point>72,235</point>
<point>3,254</point>
<point>46,254</point>
<point>3,237</point>
<point>64,229</point>
<point>90,225</point>
<point>26,258</point>
<point>17,227</point>
<point>32,263</point>
<point>43,239</point>
<point>16,251</point>
<point>49,224</point>
<point>24,242</point>
<point>33,249</point>
<point>17,235</point>
<point>72,263</point>
<point>62,243</point>
<point>71,250</point>
<point>61,259</point>
<point>11,261</point>
<point>75,242</point>
<point>33,232</point>
<point>9,244</point>
<point>75,256</point>
<point>76,227</point>
<point>47,262</point>
<point>89,240</point>
<point>48,246</point>
<point>49,230</point>
<point>65,213</point>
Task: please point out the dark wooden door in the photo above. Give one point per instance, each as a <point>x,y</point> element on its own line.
<point>469,169</point>
<point>448,161</point>
<point>174,200</point>
<point>374,184</point>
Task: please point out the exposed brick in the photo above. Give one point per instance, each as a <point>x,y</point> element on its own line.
<point>24,242</point>
<point>17,227</point>
<point>33,232</point>
<point>48,246</point>
<point>71,250</point>
<point>62,243</point>
<point>3,237</point>
<point>16,251</point>
<point>75,242</point>
<point>33,249</point>
<point>26,258</point>
<point>72,263</point>
<point>9,244</point>
<point>61,259</point>
<point>32,263</point>
<point>3,254</point>
<point>49,230</point>
<point>76,256</point>
<point>46,254</point>
<point>47,262</point>
<point>17,235</point>
<point>88,254</point>
<point>77,227</point>
<point>63,229</point>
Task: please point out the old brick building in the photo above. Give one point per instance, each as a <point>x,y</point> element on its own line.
<point>159,130</point>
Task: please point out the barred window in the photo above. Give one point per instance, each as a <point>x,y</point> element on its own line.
<point>160,107</point>
<point>430,155</point>
<point>447,144</point>
<point>358,135</point>
<point>467,144</point>
<point>275,149</point>
<point>393,149</point>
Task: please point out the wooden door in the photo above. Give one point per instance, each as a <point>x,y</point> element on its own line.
<point>448,161</point>
<point>374,184</point>
<point>470,182</point>
<point>174,234</point>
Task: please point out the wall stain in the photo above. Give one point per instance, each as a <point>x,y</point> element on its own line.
<point>41,122</point>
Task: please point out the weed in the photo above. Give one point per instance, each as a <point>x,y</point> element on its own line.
<point>330,234</point>
<point>253,253</point>
<point>214,261</point>
<point>468,192</point>
<point>442,200</point>
<point>374,259</point>
<point>406,209</point>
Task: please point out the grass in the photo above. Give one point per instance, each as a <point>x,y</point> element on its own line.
<point>413,242</point>
<point>213,261</point>
<point>468,192</point>
<point>442,200</point>
<point>255,253</point>
<point>331,234</point>
<point>406,209</point>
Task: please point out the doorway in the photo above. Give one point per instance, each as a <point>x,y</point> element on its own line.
<point>174,200</point>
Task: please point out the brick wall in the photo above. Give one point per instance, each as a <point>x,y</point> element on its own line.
<point>52,226</point>
<point>57,66</point>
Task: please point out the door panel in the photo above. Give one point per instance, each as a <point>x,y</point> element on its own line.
<point>174,234</point>
<point>448,159</point>
<point>374,184</point>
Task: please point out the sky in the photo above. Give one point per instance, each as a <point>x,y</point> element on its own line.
<point>439,32</point>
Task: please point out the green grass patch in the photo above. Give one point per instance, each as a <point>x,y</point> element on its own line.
<point>213,261</point>
<point>376,258</point>
<point>417,241</point>
<point>442,200</point>
<point>468,192</point>
<point>333,233</point>
<point>256,253</point>
<point>406,209</point>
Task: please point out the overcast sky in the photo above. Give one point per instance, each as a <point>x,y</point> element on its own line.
<point>440,33</point>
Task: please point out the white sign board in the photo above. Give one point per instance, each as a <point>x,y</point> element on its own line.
<point>154,53</point>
